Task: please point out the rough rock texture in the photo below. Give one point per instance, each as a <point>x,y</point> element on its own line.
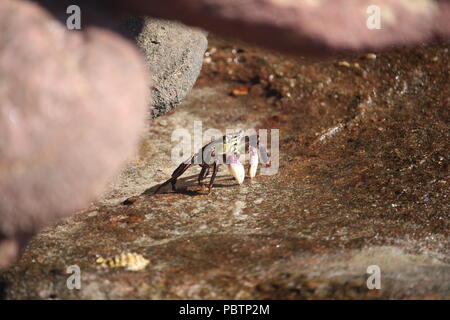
<point>69,117</point>
<point>300,27</point>
<point>363,180</point>
<point>309,27</point>
<point>174,55</point>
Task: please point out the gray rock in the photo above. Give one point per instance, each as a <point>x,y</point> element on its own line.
<point>174,55</point>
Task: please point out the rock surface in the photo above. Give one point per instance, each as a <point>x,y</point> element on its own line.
<point>363,180</point>
<point>306,27</point>
<point>69,117</point>
<point>174,56</point>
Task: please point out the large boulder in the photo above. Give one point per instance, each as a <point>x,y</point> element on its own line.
<point>69,117</point>
<point>174,56</point>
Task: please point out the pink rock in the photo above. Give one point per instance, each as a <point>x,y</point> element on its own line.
<point>310,27</point>
<point>72,106</point>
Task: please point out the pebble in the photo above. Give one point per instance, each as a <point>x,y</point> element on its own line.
<point>259,201</point>
<point>344,64</point>
<point>370,56</point>
<point>239,92</point>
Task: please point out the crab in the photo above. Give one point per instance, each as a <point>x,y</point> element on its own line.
<point>224,150</point>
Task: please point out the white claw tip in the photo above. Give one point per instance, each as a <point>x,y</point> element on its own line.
<point>253,161</point>
<point>252,171</point>
<point>237,170</point>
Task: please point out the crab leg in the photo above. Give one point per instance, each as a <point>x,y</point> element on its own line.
<point>203,174</point>
<point>213,177</point>
<point>175,175</point>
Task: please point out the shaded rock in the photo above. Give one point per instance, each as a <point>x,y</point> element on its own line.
<point>314,27</point>
<point>174,55</point>
<point>69,117</point>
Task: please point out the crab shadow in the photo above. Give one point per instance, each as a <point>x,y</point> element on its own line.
<point>189,186</point>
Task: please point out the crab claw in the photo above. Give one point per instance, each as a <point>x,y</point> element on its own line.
<point>254,159</point>
<point>236,168</point>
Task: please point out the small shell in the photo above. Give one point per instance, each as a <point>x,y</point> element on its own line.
<point>130,261</point>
